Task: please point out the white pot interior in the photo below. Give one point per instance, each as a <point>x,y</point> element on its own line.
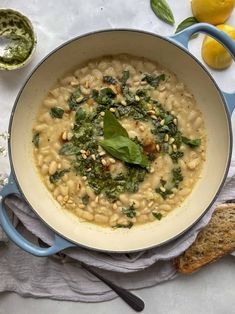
<point>189,71</point>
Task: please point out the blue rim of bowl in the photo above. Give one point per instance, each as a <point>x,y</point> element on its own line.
<point>34,37</point>
<point>184,50</point>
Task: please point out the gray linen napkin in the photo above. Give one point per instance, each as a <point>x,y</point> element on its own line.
<point>64,279</point>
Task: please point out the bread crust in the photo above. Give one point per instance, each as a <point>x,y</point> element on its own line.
<point>213,242</point>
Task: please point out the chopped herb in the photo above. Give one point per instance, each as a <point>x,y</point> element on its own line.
<point>72,102</point>
<point>57,175</point>
<point>134,177</point>
<point>164,194</point>
<point>57,113</point>
<point>36,139</point>
<point>109,79</point>
<point>191,143</point>
<point>129,225</point>
<point>153,80</point>
<point>163,182</point>
<point>158,216</point>
<point>80,115</point>
<point>129,211</point>
<point>125,77</point>
<point>175,156</point>
<point>104,96</point>
<point>69,149</point>
<point>177,176</point>
<point>85,199</point>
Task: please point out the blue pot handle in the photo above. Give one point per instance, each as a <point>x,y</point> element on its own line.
<point>59,242</point>
<point>183,38</point>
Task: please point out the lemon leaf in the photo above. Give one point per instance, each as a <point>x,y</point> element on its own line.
<point>163,11</point>
<point>185,24</point>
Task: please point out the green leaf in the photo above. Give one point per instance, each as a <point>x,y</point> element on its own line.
<point>125,77</point>
<point>57,176</point>
<point>124,149</point>
<point>175,156</point>
<point>112,127</point>
<point>191,143</point>
<point>177,176</point>
<point>129,211</point>
<point>104,96</point>
<point>154,80</point>
<point>109,79</point>
<point>164,194</point>
<point>129,225</point>
<point>69,149</point>
<point>36,139</point>
<point>186,23</point>
<point>75,99</point>
<point>163,11</point>
<point>158,216</point>
<point>80,115</point>
<point>85,199</point>
<point>57,113</point>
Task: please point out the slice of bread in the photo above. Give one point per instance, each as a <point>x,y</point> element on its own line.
<point>214,241</point>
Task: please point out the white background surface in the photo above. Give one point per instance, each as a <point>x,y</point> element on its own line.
<point>212,290</point>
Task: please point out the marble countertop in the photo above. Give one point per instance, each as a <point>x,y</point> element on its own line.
<point>210,291</point>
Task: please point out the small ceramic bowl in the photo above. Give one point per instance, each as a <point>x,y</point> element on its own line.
<point>17,40</point>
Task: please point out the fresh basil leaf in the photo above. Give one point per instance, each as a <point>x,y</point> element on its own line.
<point>57,176</point>
<point>85,199</point>
<point>158,216</point>
<point>191,143</point>
<point>69,149</point>
<point>36,139</point>
<point>112,127</point>
<point>163,11</point>
<point>154,80</point>
<point>186,23</point>
<point>124,149</point>
<point>57,113</point>
<point>125,77</point>
<point>109,79</point>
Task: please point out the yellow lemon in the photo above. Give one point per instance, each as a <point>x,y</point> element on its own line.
<point>213,53</point>
<point>212,11</point>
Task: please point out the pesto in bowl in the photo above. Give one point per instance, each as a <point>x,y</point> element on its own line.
<point>17,40</point>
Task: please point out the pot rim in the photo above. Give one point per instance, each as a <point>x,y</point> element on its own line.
<point>179,46</point>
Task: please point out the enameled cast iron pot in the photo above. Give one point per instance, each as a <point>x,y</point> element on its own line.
<point>171,52</point>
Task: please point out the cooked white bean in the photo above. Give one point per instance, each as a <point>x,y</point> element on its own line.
<point>50,102</point>
<point>88,216</point>
<point>44,169</point>
<point>52,167</point>
<point>64,190</point>
<point>101,219</point>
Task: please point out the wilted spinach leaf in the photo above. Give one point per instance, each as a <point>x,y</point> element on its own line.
<point>57,176</point>
<point>57,112</point>
<point>191,143</point>
<point>153,80</point>
<point>109,79</point>
<point>36,139</point>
